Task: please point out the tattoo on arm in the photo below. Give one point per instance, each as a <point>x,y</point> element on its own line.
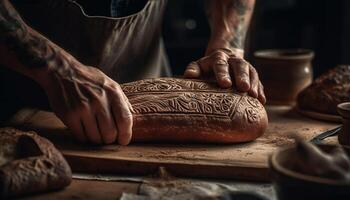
<point>31,49</point>
<point>240,7</point>
<point>231,17</point>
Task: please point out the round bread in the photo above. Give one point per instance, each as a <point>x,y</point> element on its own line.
<point>30,164</point>
<point>327,91</point>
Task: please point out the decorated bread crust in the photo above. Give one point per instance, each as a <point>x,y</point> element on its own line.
<point>183,110</point>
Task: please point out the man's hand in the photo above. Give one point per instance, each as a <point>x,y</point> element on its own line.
<point>230,70</point>
<point>90,104</point>
<point>224,59</point>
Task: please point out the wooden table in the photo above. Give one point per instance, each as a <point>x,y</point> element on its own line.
<point>247,161</point>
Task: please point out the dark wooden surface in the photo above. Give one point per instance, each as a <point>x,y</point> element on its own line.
<point>241,161</point>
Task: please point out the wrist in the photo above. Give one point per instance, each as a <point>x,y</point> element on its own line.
<point>62,66</point>
<point>224,45</point>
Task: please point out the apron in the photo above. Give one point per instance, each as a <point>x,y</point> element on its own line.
<point>125,48</point>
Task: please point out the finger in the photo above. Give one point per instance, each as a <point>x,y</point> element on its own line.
<point>261,92</point>
<point>76,129</point>
<point>192,70</point>
<point>205,64</point>
<point>104,119</point>
<point>107,127</point>
<point>241,73</point>
<point>221,71</point>
<point>254,82</point>
<point>122,116</point>
<point>128,102</point>
<point>90,124</point>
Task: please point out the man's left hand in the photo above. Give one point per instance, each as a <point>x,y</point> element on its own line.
<point>230,69</point>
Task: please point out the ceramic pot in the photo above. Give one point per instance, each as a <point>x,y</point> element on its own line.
<point>344,111</point>
<point>284,73</point>
<point>291,185</point>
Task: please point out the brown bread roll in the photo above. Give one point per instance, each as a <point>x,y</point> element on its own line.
<point>183,110</point>
<point>327,91</point>
<point>30,164</point>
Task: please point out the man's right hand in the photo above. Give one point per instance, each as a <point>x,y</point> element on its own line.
<point>89,103</point>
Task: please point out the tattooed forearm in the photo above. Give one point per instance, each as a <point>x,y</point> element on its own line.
<point>240,6</point>
<point>229,20</point>
<point>30,48</point>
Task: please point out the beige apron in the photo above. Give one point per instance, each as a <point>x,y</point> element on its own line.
<point>126,49</point>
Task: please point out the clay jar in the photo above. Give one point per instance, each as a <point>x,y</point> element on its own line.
<point>284,73</point>
<point>344,111</point>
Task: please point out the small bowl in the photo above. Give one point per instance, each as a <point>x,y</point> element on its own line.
<point>284,73</point>
<point>292,185</point>
<point>344,111</point>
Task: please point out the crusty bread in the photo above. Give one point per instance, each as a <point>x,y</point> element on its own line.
<point>327,91</point>
<point>183,110</point>
<point>30,164</point>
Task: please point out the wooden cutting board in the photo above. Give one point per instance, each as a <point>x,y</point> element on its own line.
<point>242,161</point>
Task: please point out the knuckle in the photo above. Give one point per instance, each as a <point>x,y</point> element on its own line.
<point>244,74</point>
<point>237,61</point>
<point>252,69</point>
<point>219,55</point>
<point>202,59</point>
<point>255,73</point>
<point>222,74</point>
<point>113,87</point>
<point>221,62</point>
<point>261,86</point>
<point>118,89</point>
<point>99,106</point>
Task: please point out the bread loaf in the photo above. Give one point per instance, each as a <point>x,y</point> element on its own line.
<point>183,110</point>
<point>327,91</point>
<point>29,164</point>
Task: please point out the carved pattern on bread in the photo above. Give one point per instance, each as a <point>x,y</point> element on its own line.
<point>183,96</point>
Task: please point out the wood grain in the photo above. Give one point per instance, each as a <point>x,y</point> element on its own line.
<point>247,161</point>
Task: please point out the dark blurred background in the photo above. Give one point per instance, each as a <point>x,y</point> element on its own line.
<point>320,25</point>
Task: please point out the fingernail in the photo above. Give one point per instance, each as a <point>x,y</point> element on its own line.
<point>243,87</point>
<point>227,82</point>
<point>256,94</point>
<point>124,142</point>
<point>191,70</point>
